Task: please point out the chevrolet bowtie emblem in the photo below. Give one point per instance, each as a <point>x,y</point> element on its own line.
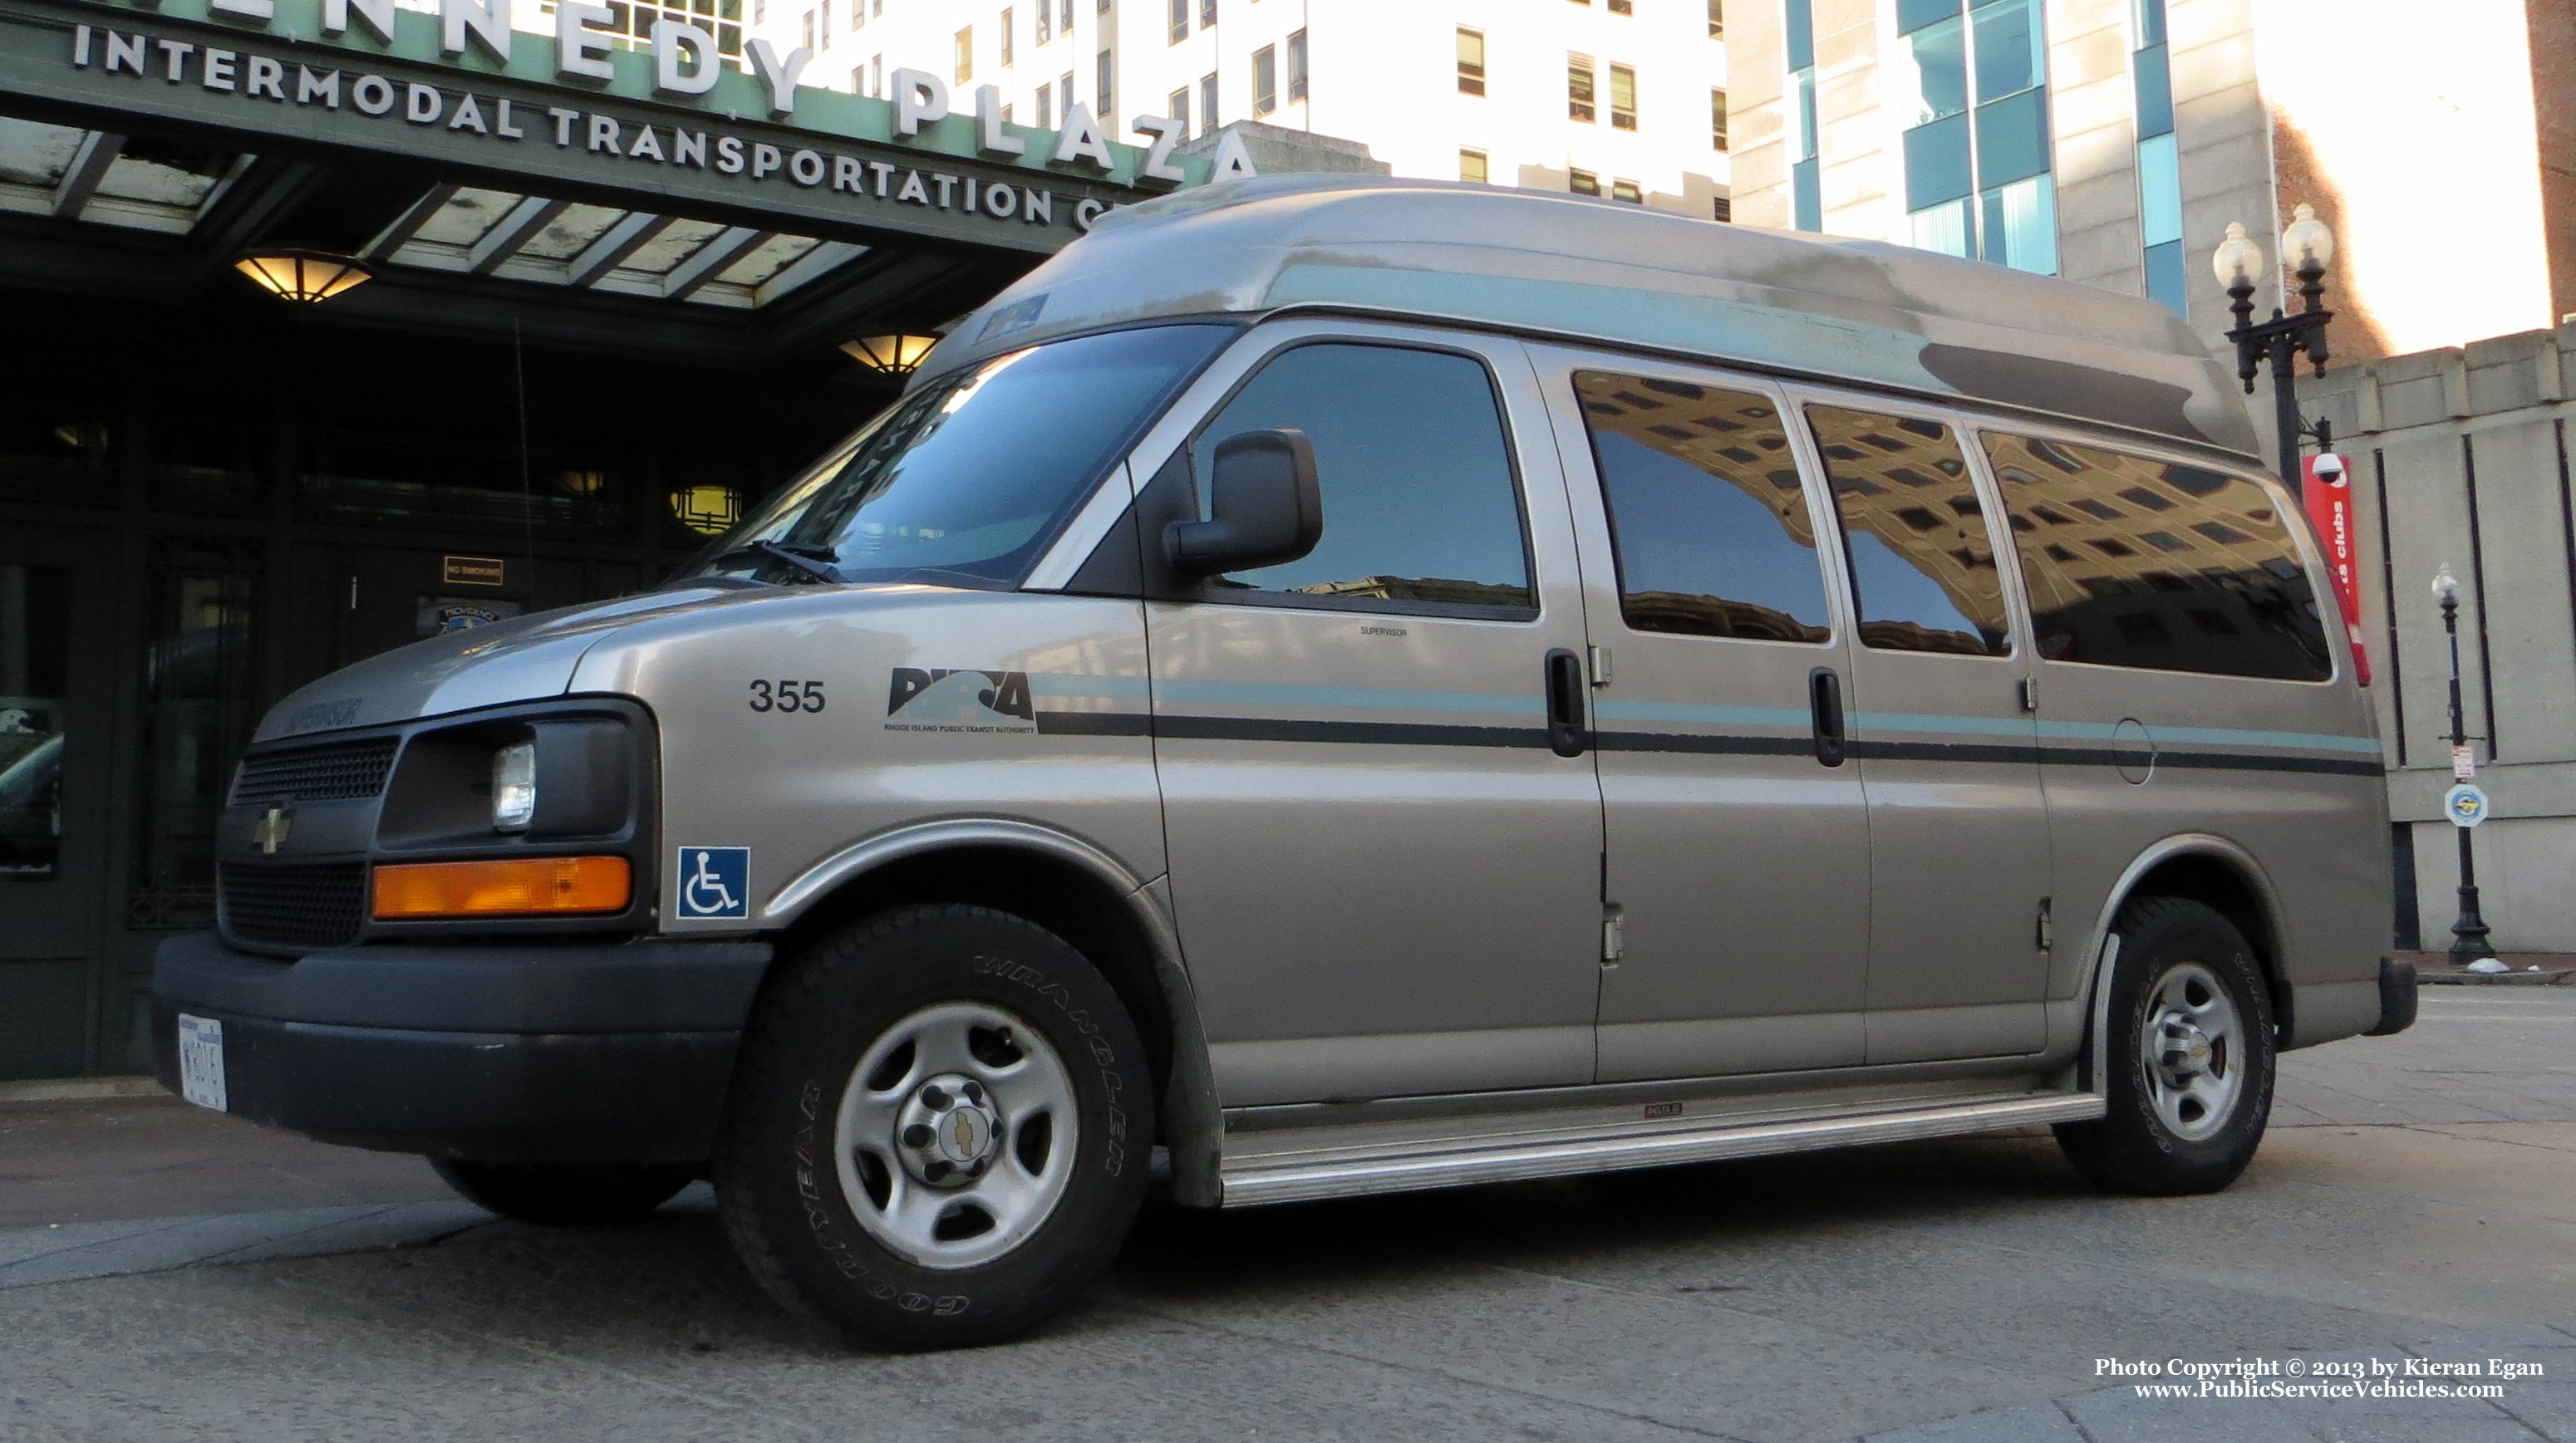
<point>270,833</point>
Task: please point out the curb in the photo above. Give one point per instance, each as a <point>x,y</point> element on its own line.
<point>76,1089</point>
<point>2452,978</point>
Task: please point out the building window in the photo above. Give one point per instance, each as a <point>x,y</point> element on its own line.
<point>1977,179</point>
<point>823,23</point>
<point>1207,105</point>
<point>1106,91</point>
<point>876,76</point>
<point>1046,108</point>
<point>1471,61</point>
<point>805,30</point>
<point>1717,20</point>
<point>1578,87</point>
<point>1623,97</point>
<point>1180,109</point>
<point>1064,95</point>
<point>759,12</point>
<point>1628,191</point>
<point>1207,13</point>
<point>1045,21</point>
<point>1005,52</point>
<point>858,14</point>
<point>1006,115</point>
<point>1623,7</point>
<point>859,81</point>
<point>965,54</point>
<point>1722,208</point>
<point>1472,166</point>
<point>1583,182</point>
<point>2159,166</point>
<point>1806,186</point>
<point>1265,81</point>
<point>1296,67</point>
<point>1063,24</point>
<point>1717,120</point>
<point>1180,30</point>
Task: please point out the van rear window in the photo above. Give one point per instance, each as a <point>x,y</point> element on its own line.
<point>2152,564</point>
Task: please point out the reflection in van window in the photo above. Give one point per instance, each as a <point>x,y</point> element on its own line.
<point>1707,516</point>
<point>1922,560</point>
<point>1420,507</point>
<point>964,481</point>
<point>2143,563</point>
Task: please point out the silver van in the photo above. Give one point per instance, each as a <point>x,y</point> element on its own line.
<point>1333,686</point>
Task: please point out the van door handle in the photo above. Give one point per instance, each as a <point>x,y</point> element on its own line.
<point>1825,702</point>
<point>1563,677</point>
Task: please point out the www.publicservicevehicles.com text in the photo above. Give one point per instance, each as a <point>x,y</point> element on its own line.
<point>2355,1378</point>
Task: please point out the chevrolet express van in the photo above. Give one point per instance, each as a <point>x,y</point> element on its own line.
<point>1333,686</point>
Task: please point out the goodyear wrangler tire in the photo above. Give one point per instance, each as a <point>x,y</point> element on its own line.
<point>2190,1066</point>
<point>940,1130</point>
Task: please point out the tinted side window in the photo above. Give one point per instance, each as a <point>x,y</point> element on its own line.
<point>1707,517</point>
<point>2143,563</point>
<point>1420,505</point>
<point>1922,560</point>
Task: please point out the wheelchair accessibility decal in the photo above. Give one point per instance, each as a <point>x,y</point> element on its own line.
<point>715,882</point>
<point>959,701</point>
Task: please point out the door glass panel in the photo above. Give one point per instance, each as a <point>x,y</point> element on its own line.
<point>35,661</point>
<point>1707,517</point>
<point>1921,560</point>
<point>1421,507</point>
<point>196,716</point>
<point>2133,562</point>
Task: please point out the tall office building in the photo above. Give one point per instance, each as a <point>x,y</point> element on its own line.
<point>2111,141</point>
<point>1620,98</point>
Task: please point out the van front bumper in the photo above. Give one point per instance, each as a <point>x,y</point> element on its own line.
<point>600,1053</point>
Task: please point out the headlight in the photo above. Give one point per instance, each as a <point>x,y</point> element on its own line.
<point>514,787</point>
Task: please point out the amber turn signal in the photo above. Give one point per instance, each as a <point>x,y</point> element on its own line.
<point>518,887</point>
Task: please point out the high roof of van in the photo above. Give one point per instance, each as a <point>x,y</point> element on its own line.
<point>1598,270</point>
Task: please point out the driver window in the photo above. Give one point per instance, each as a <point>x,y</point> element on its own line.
<point>1421,509</point>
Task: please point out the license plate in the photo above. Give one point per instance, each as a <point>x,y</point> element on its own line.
<point>201,1061</point>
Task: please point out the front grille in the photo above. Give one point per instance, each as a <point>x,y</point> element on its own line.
<point>334,771</point>
<point>312,905</point>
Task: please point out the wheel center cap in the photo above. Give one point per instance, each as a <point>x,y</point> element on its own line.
<point>948,1131</point>
<point>2187,1049</point>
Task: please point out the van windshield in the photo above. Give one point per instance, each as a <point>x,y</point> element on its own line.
<point>964,482</point>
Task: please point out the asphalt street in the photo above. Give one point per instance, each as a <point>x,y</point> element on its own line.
<point>2415,1205</point>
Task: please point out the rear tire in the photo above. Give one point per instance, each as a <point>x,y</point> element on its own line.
<point>2190,1060</point>
<point>940,1131</point>
<point>563,1196</point>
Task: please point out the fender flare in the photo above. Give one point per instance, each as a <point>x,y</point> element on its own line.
<point>2105,943</point>
<point>1193,1123</point>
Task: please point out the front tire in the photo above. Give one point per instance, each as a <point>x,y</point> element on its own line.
<point>940,1130</point>
<point>563,1196</point>
<point>2190,1061</point>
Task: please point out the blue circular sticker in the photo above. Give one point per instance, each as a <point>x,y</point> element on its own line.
<point>2465,805</point>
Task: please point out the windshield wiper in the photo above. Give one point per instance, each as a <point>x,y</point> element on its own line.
<point>813,561</point>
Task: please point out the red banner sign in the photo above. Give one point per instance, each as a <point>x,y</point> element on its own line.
<point>2329,503</point>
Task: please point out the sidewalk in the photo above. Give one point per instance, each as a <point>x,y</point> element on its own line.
<point>110,1159</point>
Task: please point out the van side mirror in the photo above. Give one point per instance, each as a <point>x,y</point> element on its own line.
<point>1269,507</point>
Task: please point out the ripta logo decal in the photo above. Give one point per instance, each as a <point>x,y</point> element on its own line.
<point>959,701</point>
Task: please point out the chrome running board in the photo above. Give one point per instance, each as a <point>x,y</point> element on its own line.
<point>1326,1166</point>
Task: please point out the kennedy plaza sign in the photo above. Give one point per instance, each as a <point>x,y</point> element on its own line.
<point>568,113</point>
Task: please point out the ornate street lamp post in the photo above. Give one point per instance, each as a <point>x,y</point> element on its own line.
<point>2281,339</point>
<point>2469,933</point>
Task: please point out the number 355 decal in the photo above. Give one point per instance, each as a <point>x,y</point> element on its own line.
<point>786,696</point>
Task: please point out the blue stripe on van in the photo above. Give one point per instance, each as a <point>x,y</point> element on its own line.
<point>1386,699</point>
<point>1364,698</point>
